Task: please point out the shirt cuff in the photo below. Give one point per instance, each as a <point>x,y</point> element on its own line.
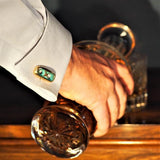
<point>52,51</point>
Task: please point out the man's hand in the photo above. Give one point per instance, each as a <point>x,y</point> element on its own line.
<point>98,83</point>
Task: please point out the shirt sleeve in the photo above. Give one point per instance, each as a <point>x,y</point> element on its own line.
<point>31,37</point>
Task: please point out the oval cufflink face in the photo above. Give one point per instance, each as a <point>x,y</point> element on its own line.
<point>45,73</point>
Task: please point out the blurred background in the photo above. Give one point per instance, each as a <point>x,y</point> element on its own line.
<point>83,19</point>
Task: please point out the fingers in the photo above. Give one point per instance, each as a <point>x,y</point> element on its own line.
<point>107,114</point>
<point>113,108</point>
<point>103,119</point>
<point>122,97</point>
<point>124,75</point>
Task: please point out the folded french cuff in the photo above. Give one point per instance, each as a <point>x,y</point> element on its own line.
<point>51,54</point>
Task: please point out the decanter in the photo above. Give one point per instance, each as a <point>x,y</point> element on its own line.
<point>64,128</point>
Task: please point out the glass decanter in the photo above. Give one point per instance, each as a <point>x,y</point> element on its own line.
<point>64,128</point>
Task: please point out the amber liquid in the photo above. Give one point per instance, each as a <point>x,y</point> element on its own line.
<point>63,129</point>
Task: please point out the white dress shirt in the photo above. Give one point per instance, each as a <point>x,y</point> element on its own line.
<point>29,37</point>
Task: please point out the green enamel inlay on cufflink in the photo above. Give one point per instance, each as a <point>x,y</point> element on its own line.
<point>45,73</point>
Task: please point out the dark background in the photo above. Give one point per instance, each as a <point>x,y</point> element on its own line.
<point>83,19</point>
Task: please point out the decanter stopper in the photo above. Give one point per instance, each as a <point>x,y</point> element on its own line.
<point>118,35</point>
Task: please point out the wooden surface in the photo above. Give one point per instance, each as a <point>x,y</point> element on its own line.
<point>123,142</point>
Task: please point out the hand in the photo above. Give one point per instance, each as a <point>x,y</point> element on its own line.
<point>98,83</point>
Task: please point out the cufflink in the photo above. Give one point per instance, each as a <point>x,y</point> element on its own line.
<point>44,73</point>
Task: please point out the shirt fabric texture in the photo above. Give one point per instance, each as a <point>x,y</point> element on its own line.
<point>31,36</point>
